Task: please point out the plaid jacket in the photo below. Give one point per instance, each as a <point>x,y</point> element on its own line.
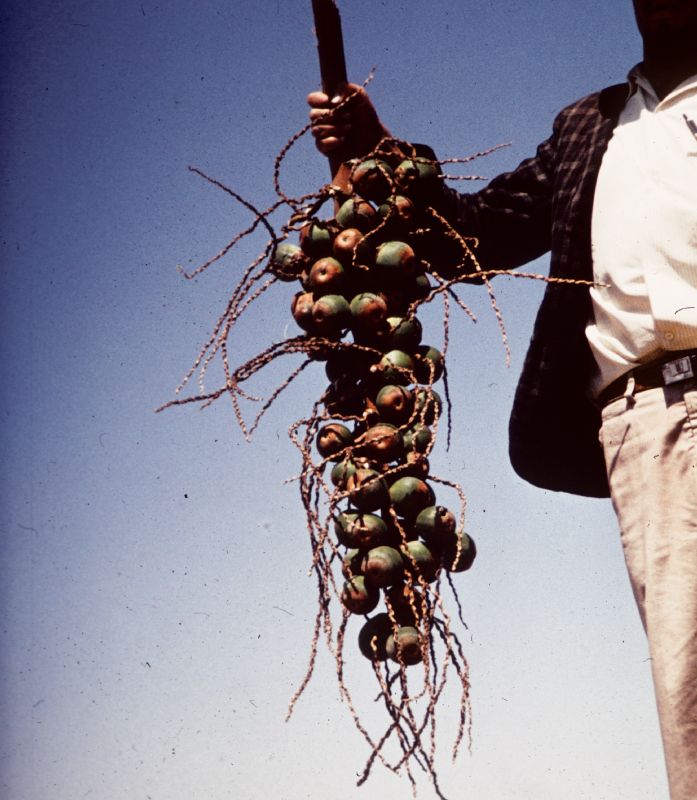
<point>545,204</point>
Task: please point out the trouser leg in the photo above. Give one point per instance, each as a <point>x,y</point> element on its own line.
<point>650,444</point>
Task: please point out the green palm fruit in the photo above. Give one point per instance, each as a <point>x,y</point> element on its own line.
<point>342,471</point>
<point>367,490</point>
<point>395,367</point>
<point>368,313</point>
<point>316,239</point>
<point>404,333</point>
<point>357,213</point>
<point>429,364</point>
<point>409,496</point>
<point>404,646</point>
<point>435,525</point>
<point>417,439</point>
<point>427,403</point>
<point>383,566</point>
<point>287,261</point>
<point>372,179</point>
<point>396,261</point>
<point>417,178</point>
<point>419,559</point>
<point>331,314</point>
<point>360,530</point>
<point>454,561</point>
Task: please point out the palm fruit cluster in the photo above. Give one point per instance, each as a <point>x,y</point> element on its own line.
<point>363,275</point>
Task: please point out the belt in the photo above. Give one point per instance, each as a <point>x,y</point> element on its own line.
<point>674,368</point>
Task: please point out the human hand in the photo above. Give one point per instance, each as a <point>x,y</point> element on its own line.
<point>349,132</point>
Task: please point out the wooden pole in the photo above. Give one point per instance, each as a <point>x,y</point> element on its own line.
<point>330,47</point>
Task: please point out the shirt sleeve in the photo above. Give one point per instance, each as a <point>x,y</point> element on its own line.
<point>512,216</point>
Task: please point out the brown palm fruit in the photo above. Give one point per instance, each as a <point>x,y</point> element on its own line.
<point>395,262</point>
<point>436,525</point>
<point>331,315</point>
<point>344,397</point>
<point>359,597</point>
<point>417,439</point>
<point>372,637</point>
<point>429,364</point>
<point>399,297</point>
<point>332,439</point>
<point>301,309</point>
<point>404,646</point>
<point>458,553</point>
<point>405,602</point>
<point>304,279</point>
<point>409,496</point>
<point>316,239</point>
<point>367,490</point>
<point>381,443</point>
<point>395,367</point>
<point>399,213</point>
<point>417,466</point>
<point>420,560</point>
<point>351,563</point>
<point>327,276</point>
<point>348,244</point>
<point>372,179</point>
<point>346,363</point>
<point>357,213</point>
<point>368,313</point>
<point>287,261</point>
<point>360,530</point>
<point>383,566</point>
<point>395,404</point>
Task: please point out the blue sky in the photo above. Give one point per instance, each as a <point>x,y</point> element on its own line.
<point>156,609</point>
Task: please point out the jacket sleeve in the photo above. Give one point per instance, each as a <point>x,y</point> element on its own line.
<point>511,216</point>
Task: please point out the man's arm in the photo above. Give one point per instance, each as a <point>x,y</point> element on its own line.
<point>511,216</point>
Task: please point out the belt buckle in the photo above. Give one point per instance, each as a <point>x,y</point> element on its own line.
<point>680,369</point>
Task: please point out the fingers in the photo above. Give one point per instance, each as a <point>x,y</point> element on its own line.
<point>326,116</point>
<point>328,144</point>
<point>346,123</point>
<point>329,138</point>
<point>318,100</point>
<point>329,127</point>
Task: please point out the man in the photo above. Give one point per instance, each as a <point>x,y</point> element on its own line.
<point>607,401</point>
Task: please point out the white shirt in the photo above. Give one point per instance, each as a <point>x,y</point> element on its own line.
<point>644,233</point>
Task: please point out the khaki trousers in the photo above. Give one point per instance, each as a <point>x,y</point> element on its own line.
<point>650,444</point>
